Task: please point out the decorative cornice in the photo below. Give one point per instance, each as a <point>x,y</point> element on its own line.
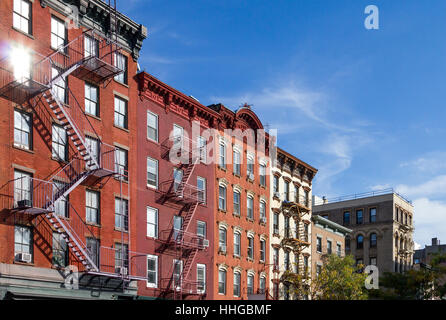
<point>97,15</point>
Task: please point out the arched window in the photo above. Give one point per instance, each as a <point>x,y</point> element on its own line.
<point>359,242</point>
<point>373,240</point>
<point>237,280</point>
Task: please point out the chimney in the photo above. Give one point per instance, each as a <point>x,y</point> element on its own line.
<point>434,241</point>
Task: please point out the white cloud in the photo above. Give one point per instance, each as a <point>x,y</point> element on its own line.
<point>430,220</point>
<point>431,188</point>
<point>431,162</point>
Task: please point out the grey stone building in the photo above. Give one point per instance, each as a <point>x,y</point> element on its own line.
<point>382,224</point>
<point>424,256</point>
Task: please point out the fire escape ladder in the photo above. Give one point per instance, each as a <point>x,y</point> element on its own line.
<point>189,215</point>
<point>187,175</point>
<point>188,263</point>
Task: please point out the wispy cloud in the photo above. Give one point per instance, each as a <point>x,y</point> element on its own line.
<point>430,162</point>
<point>432,188</point>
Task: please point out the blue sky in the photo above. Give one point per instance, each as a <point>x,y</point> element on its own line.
<point>365,107</point>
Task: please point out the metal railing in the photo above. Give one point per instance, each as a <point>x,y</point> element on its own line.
<point>360,196</point>
<point>184,149</point>
<point>126,264</point>
<point>183,238</point>
<point>187,193</point>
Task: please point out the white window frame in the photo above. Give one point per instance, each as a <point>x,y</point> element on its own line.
<point>152,212</point>
<point>153,161</point>
<point>22,126</point>
<point>120,113</point>
<point>250,210</point>
<point>202,191</point>
<point>237,205</point>
<point>202,148</point>
<point>22,16</point>
<point>156,271</point>
<point>222,198</point>
<point>91,99</point>
<point>222,273</point>
<point>237,167</point>
<point>237,235</point>
<point>203,268</point>
<point>155,128</point>
<point>222,155</point>
<point>59,143</point>
<point>89,204</point>
<point>57,27</point>
<point>121,62</point>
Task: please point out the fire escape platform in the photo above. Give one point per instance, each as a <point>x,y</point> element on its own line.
<point>95,70</point>
<point>20,92</point>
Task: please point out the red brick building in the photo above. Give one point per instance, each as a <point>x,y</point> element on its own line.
<point>242,205</point>
<point>68,120</point>
<point>177,232</point>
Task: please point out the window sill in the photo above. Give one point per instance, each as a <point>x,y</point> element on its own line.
<point>222,211</point>
<point>276,235</point>
<point>276,198</point>
<point>59,160</point>
<point>93,116</point>
<point>222,168</point>
<point>222,253</point>
<point>236,257</point>
<point>23,149</point>
<point>237,215</point>
<point>24,33</point>
<point>153,141</point>
<point>148,186</point>
<point>121,128</point>
<point>92,224</point>
<point>250,219</point>
<point>121,230</point>
<point>236,175</point>
<point>121,83</point>
<point>30,264</point>
<point>249,259</point>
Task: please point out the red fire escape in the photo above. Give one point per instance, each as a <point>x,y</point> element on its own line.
<point>177,238</point>
<point>92,58</point>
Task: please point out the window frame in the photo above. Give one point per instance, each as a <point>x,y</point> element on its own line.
<point>155,224</point>
<point>58,142</point>
<point>28,245</point>
<point>20,129</point>
<point>125,215</point>
<point>122,77</point>
<point>155,129</point>
<point>222,199</point>
<point>153,161</point>
<point>89,208</point>
<point>21,17</point>
<point>203,285</point>
<point>222,279</point>
<point>89,101</point>
<point>155,271</point>
<point>57,36</point>
<point>118,115</point>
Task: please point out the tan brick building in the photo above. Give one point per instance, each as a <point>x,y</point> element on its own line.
<point>327,237</point>
<point>382,224</point>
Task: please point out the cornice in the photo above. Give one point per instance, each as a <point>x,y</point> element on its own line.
<point>95,14</point>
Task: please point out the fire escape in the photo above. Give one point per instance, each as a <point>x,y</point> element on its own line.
<point>92,58</point>
<point>177,238</point>
<point>299,210</point>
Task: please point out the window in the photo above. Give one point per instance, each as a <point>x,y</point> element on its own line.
<point>296,194</point>
<point>250,167</point>
<point>93,247</point>
<point>22,130</point>
<point>237,278</point>
<point>262,250</point>
<point>58,33</point>
<point>262,210</point>
<point>286,190</point>
<point>237,238</point>
<point>222,155</point>
<point>121,166</point>
<point>276,258</point>
<point>21,16</point>
<point>329,247</point>
<point>178,137</point>
<point>287,260</point>
<point>22,241</point>
<point>250,281</point>
<point>59,143</point>
<point>201,186</point>
<point>22,188</point>
<point>262,285</point>
<point>60,250</point>
<point>276,184</point>
<point>307,198</point>
<point>121,64</point>
<point>222,198</point>
<point>373,215</point>
<point>91,47</point>
<point>222,240</point>
<point>318,270</point>
<point>262,173</point>
<point>92,206</point>
<point>60,85</point>
<point>359,242</point>
<point>373,240</point>
<point>177,178</point>
<point>237,162</point>
<point>152,173</point>
<point>306,232</point>
<point>287,227</point>
<point>152,271</point>
<point>319,244</point>
<point>286,292</point>
<point>346,218</point>
<point>250,247</point>
<point>373,261</point>
<point>359,217</point>
<point>152,222</point>
<point>201,144</point>
<point>222,281</point>
<point>91,100</point>
<point>121,113</point>
<point>250,207</point>
<point>201,229</point>
<point>61,204</point>
<point>201,278</point>
<point>306,264</point>
<point>236,202</point>
<point>177,228</point>
<point>347,243</point>
<point>276,291</point>
<point>338,250</point>
<point>276,223</point>
<point>121,256</point>
<point>92,145</point>
<point>121,214</point>
<point>152,126</point>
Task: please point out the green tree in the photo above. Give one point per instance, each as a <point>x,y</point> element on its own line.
<point>339,279</point>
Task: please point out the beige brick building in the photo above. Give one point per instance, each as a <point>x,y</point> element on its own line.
<point>327,237</point>
<point>290,223</point>
<point>382,224</point>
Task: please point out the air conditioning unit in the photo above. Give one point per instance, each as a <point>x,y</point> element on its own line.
<point>223,248</point>
<point>263,219</point>
<point>205,243</point>
<point>251,176</point>
<point>122,270</point>
<point>27,203</point>
<point>277,194</point>
<point>24,257</point>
